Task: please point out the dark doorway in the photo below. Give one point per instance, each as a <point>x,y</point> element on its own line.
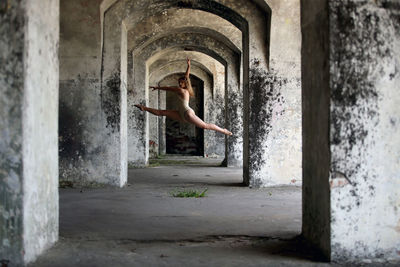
<point>185,138</point>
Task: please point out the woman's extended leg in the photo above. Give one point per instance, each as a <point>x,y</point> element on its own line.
<point>172,114</point>
<point>191,117</point>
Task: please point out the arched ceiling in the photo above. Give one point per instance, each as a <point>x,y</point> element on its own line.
<point>189,42</point>
<point>134,11</point>
<point>169,20</point>
<point>202,32</point>
<point>130,13</point>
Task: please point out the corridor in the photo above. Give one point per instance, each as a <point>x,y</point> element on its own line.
<point>143,224</point>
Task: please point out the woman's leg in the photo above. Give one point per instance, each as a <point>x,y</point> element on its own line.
<point>172,114</point>
<point>191,117</point>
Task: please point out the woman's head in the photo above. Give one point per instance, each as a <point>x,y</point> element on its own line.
<point>182,82</point>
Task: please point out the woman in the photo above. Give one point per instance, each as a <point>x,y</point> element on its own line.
<point>184,112</point>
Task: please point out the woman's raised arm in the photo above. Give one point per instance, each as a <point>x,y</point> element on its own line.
<point>188,69</point>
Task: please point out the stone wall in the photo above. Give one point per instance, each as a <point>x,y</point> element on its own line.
<point>350,115</point>
<point>12,20</point>
<point>29,106</point>
<point>274,107</point>
<point>87,150</point>
<point>364,122</point>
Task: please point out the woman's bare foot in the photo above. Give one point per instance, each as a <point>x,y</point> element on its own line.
<point>227,132</point>
<point>141,107</point>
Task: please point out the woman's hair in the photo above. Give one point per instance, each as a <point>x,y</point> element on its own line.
<point>188,85</point>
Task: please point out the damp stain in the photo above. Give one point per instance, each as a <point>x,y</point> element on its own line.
<point>266,102</point>
<point>110,101</point>
<point>354,93</point>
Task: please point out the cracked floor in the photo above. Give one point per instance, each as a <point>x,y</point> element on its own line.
<point>144,225</point>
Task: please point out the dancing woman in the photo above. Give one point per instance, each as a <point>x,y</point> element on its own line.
<point>184,112</point>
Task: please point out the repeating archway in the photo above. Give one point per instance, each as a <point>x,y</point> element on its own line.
<point>157,73</point>
<point>152,52</point>
<point>247,17</point>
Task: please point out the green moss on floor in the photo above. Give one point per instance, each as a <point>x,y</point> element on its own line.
<point>185,193</point>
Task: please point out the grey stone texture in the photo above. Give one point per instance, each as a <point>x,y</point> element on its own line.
<point>365,90</point>
<point>29,129</point>
<point>351,85</point>
<point>11,168</point>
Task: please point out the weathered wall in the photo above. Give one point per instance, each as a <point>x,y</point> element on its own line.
<point>79,88</point>
<point>87,148</point>
<point>40,127</point>
<point>12,36</point>
<point>153,125</point>
<point>364,122</point>
<point>275,95</point>
<point>29,83</point>
<point>350,90</point>
<point>161,124</point>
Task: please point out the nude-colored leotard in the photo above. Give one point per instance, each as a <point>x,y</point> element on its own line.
<point>183,106</point>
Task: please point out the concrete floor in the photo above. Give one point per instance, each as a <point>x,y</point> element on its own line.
<point>144,225</point>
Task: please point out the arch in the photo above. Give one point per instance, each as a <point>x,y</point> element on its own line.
<point>175,67</point>
<point>214,95</point>
<point>213,66</point>
<point>173,18</point>
<point>199,30</point>
<point>198,42</point>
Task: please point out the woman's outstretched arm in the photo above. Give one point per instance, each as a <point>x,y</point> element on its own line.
<point>174,89</point>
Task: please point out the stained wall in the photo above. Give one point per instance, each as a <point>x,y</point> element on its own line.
<point>351,84</point>
<point>29,140</point>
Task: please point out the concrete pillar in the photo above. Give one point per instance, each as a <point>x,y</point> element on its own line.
<point>153,125</point>
<point>351,91</point>
<point>272,94</point>
<point>29,34</point>
<point>162,104</point>
<point>113,144</point>
<point>138,128</point>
